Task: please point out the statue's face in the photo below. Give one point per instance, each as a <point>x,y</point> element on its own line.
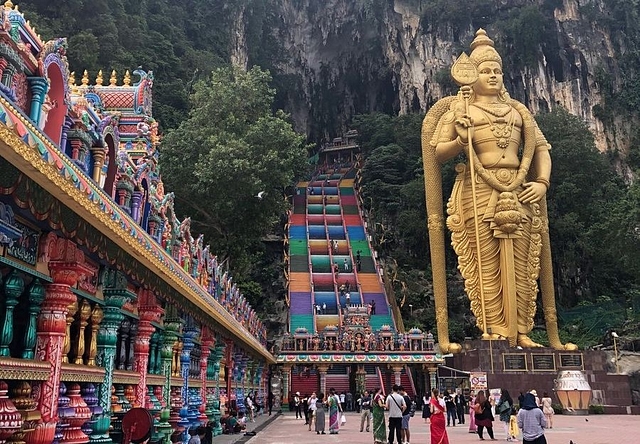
<point>489,79</point>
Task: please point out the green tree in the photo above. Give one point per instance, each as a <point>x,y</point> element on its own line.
<point>594,228</point>
<point>230,161</point>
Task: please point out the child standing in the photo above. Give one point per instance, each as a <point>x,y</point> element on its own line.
<point>514,430</point>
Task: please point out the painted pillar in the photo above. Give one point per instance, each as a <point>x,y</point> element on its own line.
<point>13,288</point>
<point>136,200</point>
<point>170,336</point>
<point>286,372</point>
<point>206,342</point>
<point>149,312</point>
<point>98,154</point>
<point>66,267</point>
<point>230,365</point>
<point>115,296</point>
<point>36,297</point>
<point>218,353</point>
<point>66,126</point>
<point>39,87</point>
<point>188,336</point>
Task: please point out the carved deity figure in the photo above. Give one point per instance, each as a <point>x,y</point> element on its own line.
<point>497,211</point>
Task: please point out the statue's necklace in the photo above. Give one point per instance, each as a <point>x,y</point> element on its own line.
<point>500,127</point>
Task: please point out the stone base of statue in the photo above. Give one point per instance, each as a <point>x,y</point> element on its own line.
<point>574,380</point>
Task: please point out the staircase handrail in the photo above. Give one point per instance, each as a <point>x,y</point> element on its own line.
<point>411,381</point>
<point>310,265</point>
<point>381,379</point>
<point>395,312</point>
<point>349,249</point>
<point>391,299</point>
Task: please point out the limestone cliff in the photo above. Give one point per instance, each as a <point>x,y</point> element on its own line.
<point>336,58</point>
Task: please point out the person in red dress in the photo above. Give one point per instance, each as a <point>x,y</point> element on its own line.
<point>437,427</point>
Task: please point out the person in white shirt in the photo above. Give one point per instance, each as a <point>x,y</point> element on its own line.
<point>396,405</point>
<point>312,408</point>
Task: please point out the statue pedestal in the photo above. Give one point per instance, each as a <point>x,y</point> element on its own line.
<point>522,370</point>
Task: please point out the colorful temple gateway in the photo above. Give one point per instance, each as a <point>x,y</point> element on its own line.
<point>107,300</point>
<point>345,330</point>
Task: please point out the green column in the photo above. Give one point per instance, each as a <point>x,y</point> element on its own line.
<point>36,297</point>
<point>169,338</point>
<point>217,354</point>
<point>115,295</point>
<point>13,288</point>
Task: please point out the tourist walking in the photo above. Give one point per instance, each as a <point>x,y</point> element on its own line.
<point>320,416</point>
<point>365,409</point>
<point>297,403</point>
<point>437,427</point>
<point>396,406</point>
<point>379,426</point>
<point>312,401</point>
<point>503,408</point>
<point>406,416</point>
<point>426,411</point>
<point>305,408</point>
<point>461,405</point>
<point>531,421</point>
<point>484,417</point>
<point>472,416</point>
<point>547,409</point>
<point>334,412</point>
<point>451,408</point>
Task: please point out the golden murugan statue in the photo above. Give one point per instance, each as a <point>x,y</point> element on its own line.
<point>497,212</point>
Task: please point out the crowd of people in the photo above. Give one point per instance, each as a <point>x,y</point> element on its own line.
<point>370,406</point>
<point>525,419</point>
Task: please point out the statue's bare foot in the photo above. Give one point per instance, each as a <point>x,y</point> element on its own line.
<point>450,347</point>
<point>526,342</point>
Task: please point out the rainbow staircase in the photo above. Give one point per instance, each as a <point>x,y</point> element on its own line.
<point>326,232</point>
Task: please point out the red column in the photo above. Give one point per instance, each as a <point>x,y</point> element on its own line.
<point>206,342</point>
<point>66,266</point>
<point>149,311</point>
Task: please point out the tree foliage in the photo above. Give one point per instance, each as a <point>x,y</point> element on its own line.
<point>231,148</point>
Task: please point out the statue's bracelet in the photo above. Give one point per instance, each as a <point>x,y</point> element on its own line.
<point>543,181</point>
<point>460,142</point>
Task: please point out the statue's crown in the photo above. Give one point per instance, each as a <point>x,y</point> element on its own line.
<point>483,50</point>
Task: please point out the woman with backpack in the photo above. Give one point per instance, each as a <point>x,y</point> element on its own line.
<point>483,415</point>
<point>504,408</point>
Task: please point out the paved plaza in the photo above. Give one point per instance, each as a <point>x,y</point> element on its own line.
<point>592,429</point>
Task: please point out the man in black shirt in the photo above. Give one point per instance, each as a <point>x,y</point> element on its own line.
<point>461,405</point>
<point>451,408</point>
<point>365,405</point>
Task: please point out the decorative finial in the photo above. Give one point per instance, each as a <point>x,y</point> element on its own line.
<point>85,78</point>
<point>127,78</point>
<point>8,4</point>
<point>99,79</point>
<point>113,80</point>
<point>72,78</point>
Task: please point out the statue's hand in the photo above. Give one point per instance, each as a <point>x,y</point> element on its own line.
<point>533,192</point>
<point>464,127</point>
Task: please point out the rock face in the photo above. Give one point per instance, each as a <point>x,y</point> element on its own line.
<point>336,58</point>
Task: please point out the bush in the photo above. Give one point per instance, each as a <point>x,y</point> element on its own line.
<point>596,409</point>
<point>557,408</point>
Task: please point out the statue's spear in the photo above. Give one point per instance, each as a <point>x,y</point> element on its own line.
<point>465,74</point>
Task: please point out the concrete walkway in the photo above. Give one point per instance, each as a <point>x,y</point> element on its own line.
<point>593,429</point>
